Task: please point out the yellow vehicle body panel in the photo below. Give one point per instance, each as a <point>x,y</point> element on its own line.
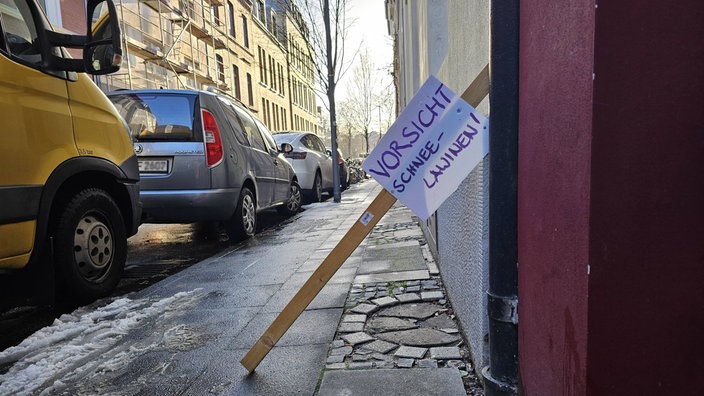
<point>16,242</point>
<point>37,137</point>
<point>93,112</point>
<point>38,131</point>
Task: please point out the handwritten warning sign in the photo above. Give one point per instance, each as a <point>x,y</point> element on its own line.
<point>430,149</point>
<point>428,136</point>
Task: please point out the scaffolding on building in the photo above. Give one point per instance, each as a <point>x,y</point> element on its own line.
<point>204,44</point>
<point>171,44</point>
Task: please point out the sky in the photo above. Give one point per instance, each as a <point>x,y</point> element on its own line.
<point>368,30</point>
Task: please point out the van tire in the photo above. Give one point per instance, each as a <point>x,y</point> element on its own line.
<point>90,244</point>
<point>243,223</point>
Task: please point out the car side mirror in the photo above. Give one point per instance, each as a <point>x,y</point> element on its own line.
<point>286,148</point>
<point>329,152</point>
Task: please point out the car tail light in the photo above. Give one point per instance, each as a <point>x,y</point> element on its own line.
<point>213,143</point>
<point>296,155</point>
<point>340,160</point>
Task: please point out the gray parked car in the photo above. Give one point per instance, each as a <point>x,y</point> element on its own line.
<point>204,157</point>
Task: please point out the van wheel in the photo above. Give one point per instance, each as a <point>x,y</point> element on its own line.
<point>293,205</point>
<point>90,245</point>
<point>243,223</point>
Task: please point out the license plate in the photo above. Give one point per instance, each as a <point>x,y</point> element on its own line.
<point>153,166</point>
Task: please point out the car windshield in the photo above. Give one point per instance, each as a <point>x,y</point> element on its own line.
<point>158,117</point>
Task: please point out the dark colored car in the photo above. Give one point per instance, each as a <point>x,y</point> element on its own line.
<point>344,171</point>
<point>204,157</point>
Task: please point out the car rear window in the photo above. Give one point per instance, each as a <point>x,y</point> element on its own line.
<point>158,117</point>
<point>284,137</point>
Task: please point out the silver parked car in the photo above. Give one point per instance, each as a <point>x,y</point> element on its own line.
<point>204,157</point>
<point>312,162</point>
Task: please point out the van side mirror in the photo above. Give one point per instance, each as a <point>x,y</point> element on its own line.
<point>102,52</point>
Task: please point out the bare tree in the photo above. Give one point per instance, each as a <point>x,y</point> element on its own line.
<point>363,94</point>
<point>385,102</point>
<point>327,42</point>
<point>347,123</point>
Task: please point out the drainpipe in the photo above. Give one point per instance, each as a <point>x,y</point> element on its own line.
<point>501,376</point>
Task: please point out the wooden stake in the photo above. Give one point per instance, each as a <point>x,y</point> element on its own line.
<point>376,210</point>
<point>478,89</point>
<point>474,94</point>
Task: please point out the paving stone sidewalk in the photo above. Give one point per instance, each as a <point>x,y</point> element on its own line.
<point>398,319</point>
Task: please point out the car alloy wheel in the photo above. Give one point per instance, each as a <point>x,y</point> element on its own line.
<point>243,223</point>
<point>293,205</point>
<point>248,213</point>
<point>317,189</point>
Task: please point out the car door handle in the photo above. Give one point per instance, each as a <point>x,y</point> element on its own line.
<point>276,161</point>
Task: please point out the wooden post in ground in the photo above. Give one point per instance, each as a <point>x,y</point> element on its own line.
<point>474,94</point>
<point>376,210</point>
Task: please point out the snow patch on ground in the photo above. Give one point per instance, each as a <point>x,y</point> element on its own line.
<point>320,205</point>
<point>81,344</point>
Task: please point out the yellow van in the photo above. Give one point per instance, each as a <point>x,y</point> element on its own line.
<point>69,180</point>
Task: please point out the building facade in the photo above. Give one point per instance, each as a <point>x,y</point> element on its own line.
<point>424,47</point>
<point>240,47</point>
<point>592,183</point>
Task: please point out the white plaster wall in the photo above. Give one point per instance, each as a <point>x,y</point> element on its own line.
<point>463,220</point>
<point>450,39</point>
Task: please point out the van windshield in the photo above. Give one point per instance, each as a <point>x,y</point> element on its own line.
<point>158,117</point>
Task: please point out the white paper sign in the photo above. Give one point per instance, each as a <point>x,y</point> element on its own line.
<point>430,149</point>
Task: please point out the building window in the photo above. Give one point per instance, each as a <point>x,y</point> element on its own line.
<point>276,117</point>
<point>231,18</point>
<point>262,72</point>
<point>273,25</point>
<point>221,68</point>
<point>281,80</point>
<point>261,11</point>
<point>250,94</point>
<point>214,10</point>
<point>273,74</point>
<point>271,71</point>
<point>236,81</point>
<point>294,92</point>
<point>245,31</point>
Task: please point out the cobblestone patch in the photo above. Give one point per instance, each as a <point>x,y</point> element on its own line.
<point>388,311</point>
<point>401,325</point>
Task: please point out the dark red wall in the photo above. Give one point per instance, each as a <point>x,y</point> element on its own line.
<point>555,107</point>
<point>611,178</point>
<point>646,290</point>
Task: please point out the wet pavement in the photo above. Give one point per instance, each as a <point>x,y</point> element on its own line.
<point>381,326</point>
